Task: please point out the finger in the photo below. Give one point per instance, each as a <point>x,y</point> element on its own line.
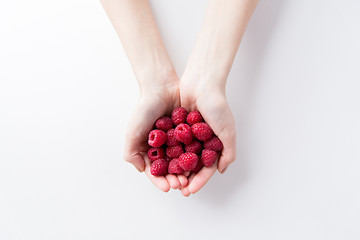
<point>223,126</point>
<point>187,102</point>
<point>185,191</point>
<point>137,131</point>
<point>173,181</point>
<point>201,178</point>
<point>227,157</point>
<point>186,174</point>
<point>228,153</point>
<point>191,177</point>
<point>137,160</point>
<point>183,180</point>
<point>160,181</point>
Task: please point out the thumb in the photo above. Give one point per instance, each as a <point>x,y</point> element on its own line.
<point>136,135</point>
<point>228,153</point>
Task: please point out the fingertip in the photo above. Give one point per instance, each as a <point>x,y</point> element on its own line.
<point>222,167</point>
<point>139,169</point>
<point>185,192</point>
<point>223,171</point>
<point>161,183</point>
<point>183,180</point>
<point>137,161</point>
<point>173,181</point>
<point>192,190</point>
<point>165,188</point>
<point>224,163</point>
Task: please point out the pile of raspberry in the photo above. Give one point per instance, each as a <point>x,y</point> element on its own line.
<point>182,143</point>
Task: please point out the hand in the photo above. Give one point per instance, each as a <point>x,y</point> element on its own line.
<point>156,99</point>
<point>212,104</point>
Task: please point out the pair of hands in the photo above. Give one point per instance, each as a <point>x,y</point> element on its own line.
<point>202,86</point>
<point>159,98</point>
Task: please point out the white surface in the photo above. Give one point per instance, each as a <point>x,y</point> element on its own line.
<point>66,91</point>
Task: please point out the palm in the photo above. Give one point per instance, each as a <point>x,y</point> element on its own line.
<point>151,106</point>
<point>216,112</point>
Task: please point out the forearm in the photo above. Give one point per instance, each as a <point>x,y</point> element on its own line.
<point>219,38</point>
<point>134,22</point>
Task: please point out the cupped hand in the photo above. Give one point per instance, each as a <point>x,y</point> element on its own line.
<point>155,101</point>
<point>212,104</point>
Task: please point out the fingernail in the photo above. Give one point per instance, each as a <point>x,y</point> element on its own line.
<point>138,169</point>
<point>223,170</point>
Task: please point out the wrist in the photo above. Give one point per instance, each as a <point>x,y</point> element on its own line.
<point>204,80</point>
<point>157,79</point>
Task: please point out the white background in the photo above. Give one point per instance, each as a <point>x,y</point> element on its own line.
<point>67,89</point>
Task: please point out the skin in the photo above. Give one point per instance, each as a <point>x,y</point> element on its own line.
<point>208,66</point>
<point>202,86</point>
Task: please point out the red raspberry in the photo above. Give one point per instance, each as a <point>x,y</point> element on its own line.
<point>164,123</point>
<point>214,144</point>
<point>202,131</point>
<point>156,153</point>
<point>157,138</point>
<point>159,167</point>
<point>188,161</point>
<point>208,157</point>
<point>171,140</point>
<point>174,151</point>
<point>198,167</point>
<point>178,115</point>
<point>183,133</point>
<point>194,117</point>
<point>174,166</point>
<point>194,147</point>
<point>167,158</point>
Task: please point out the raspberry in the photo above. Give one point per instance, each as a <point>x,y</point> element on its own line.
<point>171,140</point>
<point>178,115</point>
<point>194,147</point>
<point>202,131</point>
<point>183,133</point>
<point>214,144</point>
<point>174,151</point>
<point>198,167</point>
<point>164,123</point>
<point>159,167</point>
<point>194,117</point>
<point>188,161</point>
<point>174,166</point>
<point>157,138</point>
<point>156,153</point>
<point>167,158</point>
<point>208,157</point>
